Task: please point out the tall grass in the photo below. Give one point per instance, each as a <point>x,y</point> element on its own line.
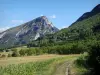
<point>46,67</point>
<point>80,64</point>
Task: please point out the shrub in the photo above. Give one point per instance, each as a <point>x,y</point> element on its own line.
<point>81,61</point>
<point>30,51</point>
<point>0,55</point>
<point>22,52</point>
<point>15,53</point>
<point>93,60</point>
<point>9,55</point>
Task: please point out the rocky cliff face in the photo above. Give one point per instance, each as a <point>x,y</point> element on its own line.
<point>27,32</point>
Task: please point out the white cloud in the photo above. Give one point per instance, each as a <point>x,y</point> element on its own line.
<point>17,21</point>
<point>65,26</point>
<point>3,29</point>
<point>52,17</point>
<point>41,15</point>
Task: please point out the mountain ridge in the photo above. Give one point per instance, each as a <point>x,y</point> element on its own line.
<point>86,15</point>
<point>86,24</point>
<point>86,29</point>
<point>27,32</point>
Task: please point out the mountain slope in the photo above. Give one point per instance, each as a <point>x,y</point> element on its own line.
<point>84,27</point>
<point>27,32</point>
<point>93,12</point>
<point>87,28</point>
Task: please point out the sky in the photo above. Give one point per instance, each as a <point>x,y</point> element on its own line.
<point>61,13</point>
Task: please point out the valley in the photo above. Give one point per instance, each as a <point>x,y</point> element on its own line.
<point>37,47</point>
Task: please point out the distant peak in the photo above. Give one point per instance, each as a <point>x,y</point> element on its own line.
<point>98,5</point>
<point>43,17</point>
<point>97,8</point>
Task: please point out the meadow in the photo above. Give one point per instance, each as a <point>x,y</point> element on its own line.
<point>38,65</point>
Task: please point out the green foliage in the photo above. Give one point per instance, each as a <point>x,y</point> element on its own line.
<point>83,30</point>
<point>93,60</point>
<point>15,53</point>
<point>1,49</point>
<point>22,52</point>
<point>81,60</point>
<point>9,55</point>
<point>77,38</point>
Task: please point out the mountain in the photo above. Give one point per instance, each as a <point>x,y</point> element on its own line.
<point>85,28</point>
<point>27,32</point>
<point>86,15</point>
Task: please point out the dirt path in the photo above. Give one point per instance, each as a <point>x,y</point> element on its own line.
<point>63,69</point>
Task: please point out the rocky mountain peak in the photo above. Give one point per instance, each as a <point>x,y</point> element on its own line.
<point>27,32</point>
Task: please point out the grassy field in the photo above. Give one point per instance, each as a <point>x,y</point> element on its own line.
<point>35,65</point>
<point>17,60</point>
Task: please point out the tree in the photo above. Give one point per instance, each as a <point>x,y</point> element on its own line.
<point>93,60</point>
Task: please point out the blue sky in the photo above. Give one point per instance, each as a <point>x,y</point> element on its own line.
<point>61,12</point>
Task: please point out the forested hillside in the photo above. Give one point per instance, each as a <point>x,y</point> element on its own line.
<point>87,29</point>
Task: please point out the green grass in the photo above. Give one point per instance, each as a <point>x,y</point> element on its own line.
<point>78,70</point>
<point>79,64</point>
<point>35,68</point>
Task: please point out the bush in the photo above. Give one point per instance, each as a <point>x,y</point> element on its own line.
<point>9,55</point>
<point>15,53</point>
<point>81,61</point>
<point>93,60</point>
<point>0,55</point>
<point>31,51</point>
<point>22,52</point>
